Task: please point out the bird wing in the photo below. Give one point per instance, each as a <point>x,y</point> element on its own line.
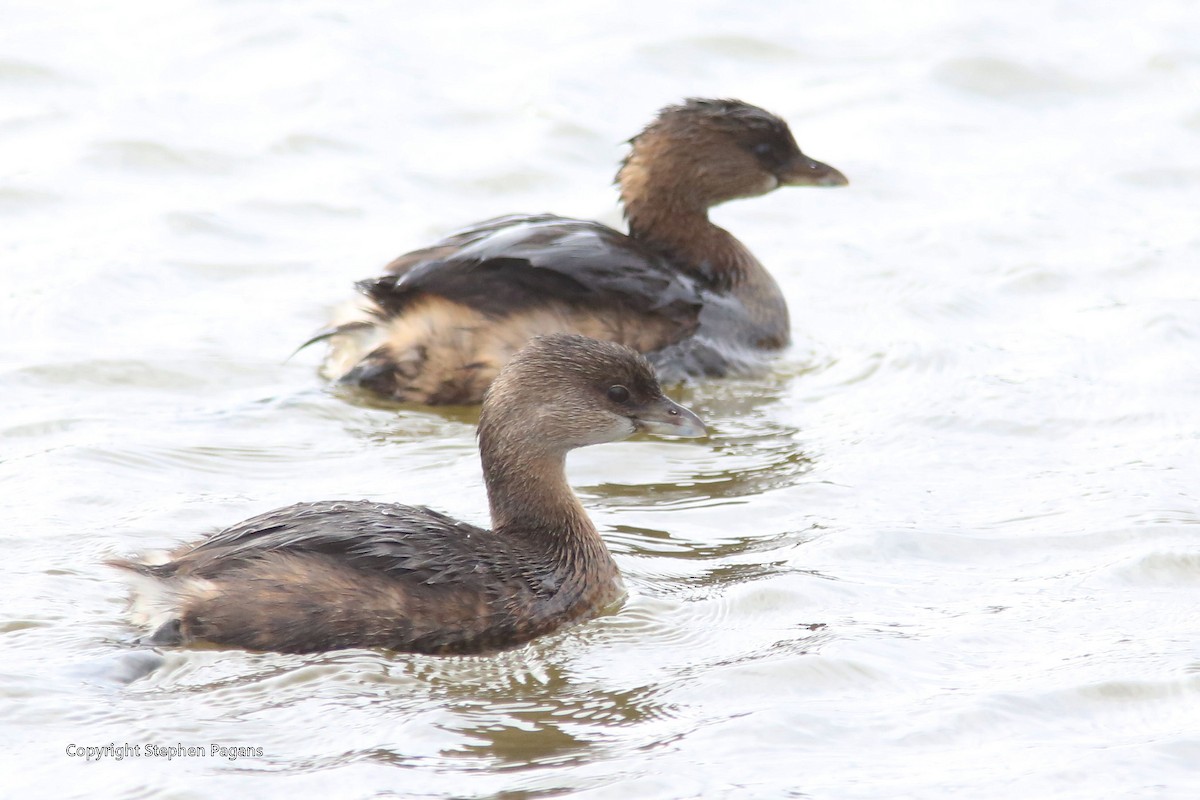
<point>375,537</point>
<point>517,263</point>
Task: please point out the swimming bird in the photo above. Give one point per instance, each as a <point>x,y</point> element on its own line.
<point>440,322</point>
<point>337,574</point>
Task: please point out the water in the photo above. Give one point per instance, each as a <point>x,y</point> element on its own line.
<point>948,548</point>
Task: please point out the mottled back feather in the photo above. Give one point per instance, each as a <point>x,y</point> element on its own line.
<point>511,264</point>
<point>384,538</point>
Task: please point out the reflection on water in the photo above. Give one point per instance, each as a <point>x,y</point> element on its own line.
<point>946,548</point>
<point>748,451</point>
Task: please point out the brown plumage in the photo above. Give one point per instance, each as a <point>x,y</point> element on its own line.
<point>440,322</point>
<point>337,574</point>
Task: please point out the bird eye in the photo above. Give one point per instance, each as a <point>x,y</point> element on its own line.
<point>618,394</point>
<point>762,148</point>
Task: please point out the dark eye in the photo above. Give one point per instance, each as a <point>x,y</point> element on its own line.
<point>618,394</point>
<point>768,154</point>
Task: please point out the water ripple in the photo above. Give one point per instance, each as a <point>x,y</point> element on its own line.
<point>157,158</point>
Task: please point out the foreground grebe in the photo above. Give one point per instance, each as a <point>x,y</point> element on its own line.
<point>440,323</point>
<point>338,574</point>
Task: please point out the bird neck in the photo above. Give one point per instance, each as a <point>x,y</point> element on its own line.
<point>683,234</point>
<point>670,216</point>
<point>529,495</point>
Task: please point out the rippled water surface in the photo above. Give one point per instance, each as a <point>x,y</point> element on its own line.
<point>947,548</point>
